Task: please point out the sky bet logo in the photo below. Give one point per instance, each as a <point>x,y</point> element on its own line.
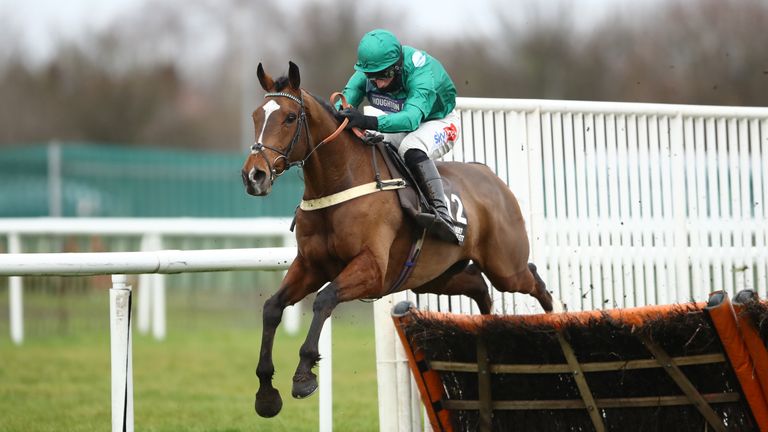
<point>448,134</point>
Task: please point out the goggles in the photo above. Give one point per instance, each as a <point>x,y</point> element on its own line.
<point>382,74</point>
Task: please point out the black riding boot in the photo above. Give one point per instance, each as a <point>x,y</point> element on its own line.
<point>441,223</point>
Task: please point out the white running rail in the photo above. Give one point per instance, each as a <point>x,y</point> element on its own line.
<point>151,311</point>
<point>118,264</point>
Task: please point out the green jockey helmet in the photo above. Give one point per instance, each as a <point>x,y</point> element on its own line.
<point>378,50</point>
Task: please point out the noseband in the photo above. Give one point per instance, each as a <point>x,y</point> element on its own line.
<point>259,147</point>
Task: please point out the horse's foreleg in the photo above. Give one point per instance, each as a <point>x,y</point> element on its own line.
<point>362,277</point>
<point>297,284</point>
<point>304,380</point>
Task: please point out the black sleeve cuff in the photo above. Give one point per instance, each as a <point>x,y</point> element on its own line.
<point>371,123</point>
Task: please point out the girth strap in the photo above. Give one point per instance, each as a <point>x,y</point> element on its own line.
<point>352,193</point>
<point>410,263</point>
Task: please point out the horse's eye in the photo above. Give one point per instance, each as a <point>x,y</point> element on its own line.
<point>290,118</point>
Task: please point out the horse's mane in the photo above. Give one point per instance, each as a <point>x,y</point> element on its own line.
<point>282,82</point>
<point>323,103</point>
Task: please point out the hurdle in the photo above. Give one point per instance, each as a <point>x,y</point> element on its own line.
<point>699,366</point>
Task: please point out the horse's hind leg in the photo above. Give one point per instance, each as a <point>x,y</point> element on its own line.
<point>540,292</point>
<point>298,282</point>
<point>468,282</point>
<point>526,281</point>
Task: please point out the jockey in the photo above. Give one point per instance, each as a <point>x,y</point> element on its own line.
<point>418,98</point>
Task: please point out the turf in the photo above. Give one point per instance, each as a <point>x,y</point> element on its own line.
<point>196,380</point>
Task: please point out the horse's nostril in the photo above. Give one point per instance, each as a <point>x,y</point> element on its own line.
<point>258,176</point>
<point>254,177</point>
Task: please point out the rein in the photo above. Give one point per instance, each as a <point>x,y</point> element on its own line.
<point>338,130</point>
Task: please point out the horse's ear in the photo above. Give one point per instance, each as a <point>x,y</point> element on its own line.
<point>265,80</point>
<point>293,75</point>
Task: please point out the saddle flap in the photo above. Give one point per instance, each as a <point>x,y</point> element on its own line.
<point>412,199</point>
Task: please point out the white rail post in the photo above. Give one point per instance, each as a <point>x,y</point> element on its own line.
<point>147,283</point>
<point>292,314</point>
<point>144,307</point>
<point>15,295</point>
<point>397,410</point>
<point>121,353</point>
<point>386,374</point>
<point>158,306</point>
<point>326,378</point>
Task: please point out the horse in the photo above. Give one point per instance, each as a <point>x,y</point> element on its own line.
<point>358,247</point>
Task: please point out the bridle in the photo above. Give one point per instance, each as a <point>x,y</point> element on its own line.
<point>259,147</point>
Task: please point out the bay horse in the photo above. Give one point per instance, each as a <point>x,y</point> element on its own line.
<point>361,245</point>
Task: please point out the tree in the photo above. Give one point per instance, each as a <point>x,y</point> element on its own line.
<point>187,78</point>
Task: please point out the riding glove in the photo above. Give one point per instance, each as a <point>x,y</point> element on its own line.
<point>357,119</point>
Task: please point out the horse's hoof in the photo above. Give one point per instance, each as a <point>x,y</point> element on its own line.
<point>304,385</point>
<point>268,402</point>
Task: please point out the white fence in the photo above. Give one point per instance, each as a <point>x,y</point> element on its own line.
<point>626,205</point>
<point>632,204</point>
<point>151,309</point>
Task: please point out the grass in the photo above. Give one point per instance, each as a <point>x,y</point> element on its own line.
<point>196,380</point>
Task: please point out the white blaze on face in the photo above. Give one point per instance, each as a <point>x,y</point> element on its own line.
<point>269,108</point>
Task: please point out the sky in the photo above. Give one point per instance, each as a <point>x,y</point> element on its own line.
<point>42,22</point>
